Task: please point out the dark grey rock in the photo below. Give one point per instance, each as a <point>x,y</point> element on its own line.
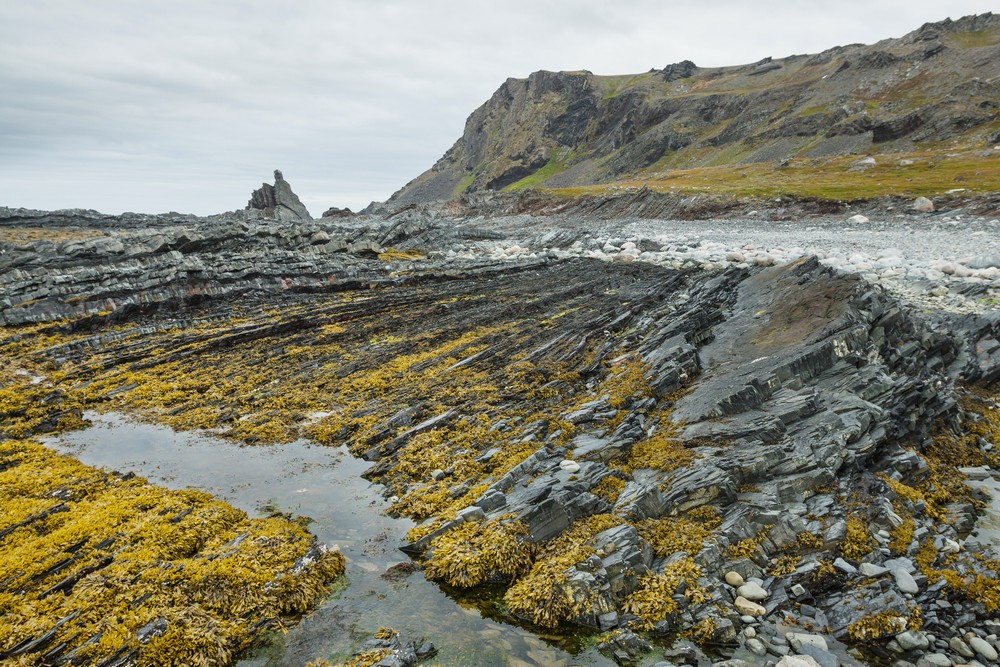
<point>823,657</point>
<point>278,201</point>
<point>984,262</point>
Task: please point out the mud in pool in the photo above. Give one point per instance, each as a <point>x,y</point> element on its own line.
<point>325,485</point>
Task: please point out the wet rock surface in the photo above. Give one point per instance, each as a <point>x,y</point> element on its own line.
<point>761,455</point>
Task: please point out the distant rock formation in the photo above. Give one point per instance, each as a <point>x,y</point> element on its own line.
<point>334,212</point>
<point>677,71</point>
<point>278,202</point>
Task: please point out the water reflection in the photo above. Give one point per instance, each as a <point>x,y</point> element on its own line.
<point>325,484</point>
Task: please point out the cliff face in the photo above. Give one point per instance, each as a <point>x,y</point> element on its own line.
<point>935,87</point>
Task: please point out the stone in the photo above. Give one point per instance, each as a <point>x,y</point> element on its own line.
<point>822,656</point>
<point>912,640</point>
<point>872,570</point>
<point>569,466</point>
<point>752,591</point>
<point>763,259</point>
<point>626,644</point>
<point>426,651</point>
<point>922,205</point>
<point>935,660</point>
<point>844,566</point>
<point>960,647</point>
<point>857,219</point>
<point>799,639</point>
<point>950,546</point>
<point>745,606</point>
<point>471,513</point>
<point>982,647</point>
<point>905,581</point>
<point>734,579</point>
<point>798,661</point>
<point>756,646</point>
<point>685,652</point>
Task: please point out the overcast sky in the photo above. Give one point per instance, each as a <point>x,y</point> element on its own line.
<point>188,105</point>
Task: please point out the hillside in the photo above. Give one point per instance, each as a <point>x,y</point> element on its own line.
<point>930,96</point>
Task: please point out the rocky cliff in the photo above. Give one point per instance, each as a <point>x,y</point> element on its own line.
<point>935,87</point>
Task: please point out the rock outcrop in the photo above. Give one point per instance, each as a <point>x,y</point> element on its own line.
<point>560,129</point>
<point>278,202</point>
<point>334,212</point>
<point>621,426</point>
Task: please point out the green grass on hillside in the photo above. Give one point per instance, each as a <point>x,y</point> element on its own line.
<point>974,39</point>
<point>556,164</point>
<point>463,185</point>
<point>929,174</point>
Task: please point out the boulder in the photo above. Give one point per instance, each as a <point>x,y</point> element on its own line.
<point>981,646</point>
<point>912,640</point>
<point>753,592</point>
<point>748,608</point>
<point>800,639</point>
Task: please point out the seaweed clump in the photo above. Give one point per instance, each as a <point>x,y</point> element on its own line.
<point>474,553</point>
<point>655,599</point>
<point>542,595</point>
<point>101,567</point>
<point>99,564</point>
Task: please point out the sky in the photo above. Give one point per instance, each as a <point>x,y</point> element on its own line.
<point>178,105</point>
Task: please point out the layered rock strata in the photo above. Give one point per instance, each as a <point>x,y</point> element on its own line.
<point>723,453</point>
<point>278,201</point>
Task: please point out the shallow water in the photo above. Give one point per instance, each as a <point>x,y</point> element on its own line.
<point>325,484</point>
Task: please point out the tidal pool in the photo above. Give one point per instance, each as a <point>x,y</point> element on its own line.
<point>325,484</point>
